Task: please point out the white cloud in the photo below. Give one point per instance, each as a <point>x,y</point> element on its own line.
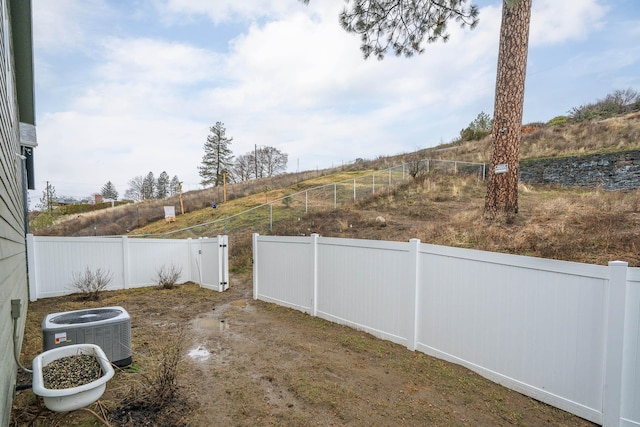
<point>155,61</point>
<point>222,11</point>
<point>64,25</point>
<point>144,93</point>
<point>554,21</point>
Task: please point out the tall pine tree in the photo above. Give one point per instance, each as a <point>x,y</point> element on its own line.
<point>162,186</point>
<point>148,189</point>
<point>109,191</point>
<point>174,185</point>
<point>217,159</point>
<point>405,26</point>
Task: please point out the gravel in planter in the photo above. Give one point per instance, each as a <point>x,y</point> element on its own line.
<point>71,371</point>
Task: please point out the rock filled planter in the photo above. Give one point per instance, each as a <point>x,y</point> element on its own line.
<point>71,377</point>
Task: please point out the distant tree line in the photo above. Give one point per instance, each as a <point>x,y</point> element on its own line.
<point>219,163</point>
<point>148,187</point>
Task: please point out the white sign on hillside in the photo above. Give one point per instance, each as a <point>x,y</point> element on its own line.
<point>169,213</point>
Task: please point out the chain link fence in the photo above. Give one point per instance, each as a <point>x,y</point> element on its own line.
<point>260,219</point>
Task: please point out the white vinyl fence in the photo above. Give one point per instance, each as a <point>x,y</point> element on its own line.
<point>565,333</point>
<point>132,262</point>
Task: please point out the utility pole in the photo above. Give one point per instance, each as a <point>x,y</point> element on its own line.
<point>48,199</point>
<point>181,204</point>
<point>224,186</point>
<point>255,158</point>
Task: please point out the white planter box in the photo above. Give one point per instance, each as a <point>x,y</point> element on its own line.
<point>70,399</point>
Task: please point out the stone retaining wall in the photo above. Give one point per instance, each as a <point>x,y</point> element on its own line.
<point>613,171</point>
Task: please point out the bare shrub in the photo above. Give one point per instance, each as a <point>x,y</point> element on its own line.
<point>157,399</point>
<point>90,283</point>
<point>168,276</point>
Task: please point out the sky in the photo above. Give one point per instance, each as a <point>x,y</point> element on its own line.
<point>128,87</point>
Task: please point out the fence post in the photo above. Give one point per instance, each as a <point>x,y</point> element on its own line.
<point>31,268</point>
<point>197,261</point>
<point>615,311</point>
<point>335,196</point>
<point>354,190</point>
<point>255,261</point>
<point>314,257</point>
<point>224,261</point>
<point>414,275</point>
<point>306,202</point>
<point>126,277</point>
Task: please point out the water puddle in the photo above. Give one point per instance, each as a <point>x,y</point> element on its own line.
<point>211,324</point>
<point>199,353</point>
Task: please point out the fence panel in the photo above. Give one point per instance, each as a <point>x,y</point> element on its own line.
<point>552,330</point>
<point>53,261</point>
<point>366,286</point>
<point>147,256</point>
<point>286,271</point>
<point>533,325</point>
<point>630,410</point>
<point>66,257</point>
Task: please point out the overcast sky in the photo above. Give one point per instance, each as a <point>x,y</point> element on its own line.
<point>124,88</point>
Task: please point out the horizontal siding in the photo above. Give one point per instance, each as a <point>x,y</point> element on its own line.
<point>13,276</point>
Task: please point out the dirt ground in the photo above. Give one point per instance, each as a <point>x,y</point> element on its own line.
<point>249,363</point>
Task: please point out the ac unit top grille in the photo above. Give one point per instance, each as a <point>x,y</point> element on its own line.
<point>96,316</point>
<point>86,316</point>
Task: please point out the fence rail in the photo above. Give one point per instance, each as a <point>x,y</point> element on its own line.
<point>565,333</point>
<point>328,196</point>
<point>53,261</point>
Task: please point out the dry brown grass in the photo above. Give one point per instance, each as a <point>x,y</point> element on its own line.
<point>558,223</point>
<point>571,224</point>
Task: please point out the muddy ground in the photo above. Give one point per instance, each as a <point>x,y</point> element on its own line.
<point>249,363</point>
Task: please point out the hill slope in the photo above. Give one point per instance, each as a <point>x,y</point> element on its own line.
<point>570,224</point>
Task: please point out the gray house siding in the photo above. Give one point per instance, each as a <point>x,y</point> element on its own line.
<point>13,270</point>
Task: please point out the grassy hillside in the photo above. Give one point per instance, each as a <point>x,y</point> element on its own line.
<point>570,224</point>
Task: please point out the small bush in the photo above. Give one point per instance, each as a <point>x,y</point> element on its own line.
<point>286,201</point>
<point>167,276</point>
<point>90,283</point>
<point>558,121</point>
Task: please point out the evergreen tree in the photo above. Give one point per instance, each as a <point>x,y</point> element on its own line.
<point>148,189</point>
<point>174,186</point>
<point>502,187</point>
<point>109,191</point>
<point>48,201</point>
<point>162,187</point>
<point>477,129</point>
<point>404,26</point>
<point>217,159</point>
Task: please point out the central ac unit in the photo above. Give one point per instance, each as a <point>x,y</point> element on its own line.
<point>108,327</point>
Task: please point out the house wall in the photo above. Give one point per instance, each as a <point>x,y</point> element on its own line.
<point>13,273</point>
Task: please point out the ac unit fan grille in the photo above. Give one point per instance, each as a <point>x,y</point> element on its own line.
<point>86,316</point>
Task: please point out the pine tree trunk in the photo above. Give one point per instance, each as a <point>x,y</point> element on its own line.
<point>502,188</point>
